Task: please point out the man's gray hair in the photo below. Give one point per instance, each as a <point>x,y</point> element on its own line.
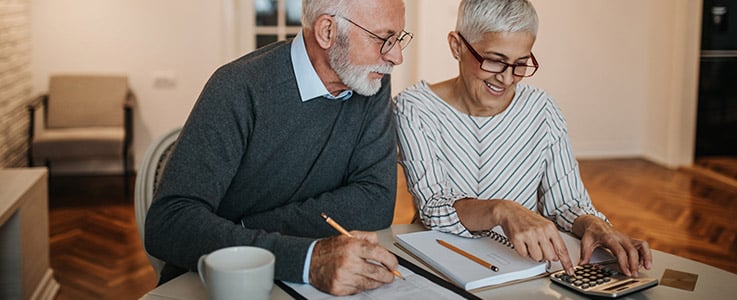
<point>476,17</point>
<point>312,9</point>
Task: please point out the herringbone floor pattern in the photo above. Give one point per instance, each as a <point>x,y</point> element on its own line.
<point>94,245</point>
<point>96,252</point>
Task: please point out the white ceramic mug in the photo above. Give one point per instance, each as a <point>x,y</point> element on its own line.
<point>241,272</point>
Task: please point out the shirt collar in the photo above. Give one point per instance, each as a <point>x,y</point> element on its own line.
<point>309,84</point>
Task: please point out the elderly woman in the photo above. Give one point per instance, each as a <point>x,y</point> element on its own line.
<point>482,149</point>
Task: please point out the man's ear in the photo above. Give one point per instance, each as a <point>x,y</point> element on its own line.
<point>454,42</point>
<point>326,31</point>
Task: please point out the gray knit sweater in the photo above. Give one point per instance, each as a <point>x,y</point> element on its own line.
<point>254,165</point>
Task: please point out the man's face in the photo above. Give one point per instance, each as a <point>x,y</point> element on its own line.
<point>362,79</point>
<point>356,56</point>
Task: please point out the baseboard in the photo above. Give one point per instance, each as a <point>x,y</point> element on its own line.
<point>47,288</point>
<point>722,180</point>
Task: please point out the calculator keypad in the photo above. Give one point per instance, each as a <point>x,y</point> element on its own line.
<point>594,279</point>
<point>588,276</point>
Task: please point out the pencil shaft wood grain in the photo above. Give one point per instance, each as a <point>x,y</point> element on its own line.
<point>468,255</point>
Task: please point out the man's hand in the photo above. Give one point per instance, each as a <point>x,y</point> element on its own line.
<point>343,266</point>
<point>631,253</point>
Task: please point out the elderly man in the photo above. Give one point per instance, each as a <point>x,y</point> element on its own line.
<point>282,134</point>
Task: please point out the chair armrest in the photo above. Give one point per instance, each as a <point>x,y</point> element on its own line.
<point>37,121</point>
<point>130,100</point>
<point>37,115</point>
<point>38,101</point>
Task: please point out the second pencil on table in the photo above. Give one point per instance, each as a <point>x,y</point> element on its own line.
<point>468,255</point>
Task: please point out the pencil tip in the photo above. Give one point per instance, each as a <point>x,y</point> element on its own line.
<point>324,216</point>
<point>396,273</point>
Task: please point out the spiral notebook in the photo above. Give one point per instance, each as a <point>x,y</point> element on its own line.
<point>496,250</point>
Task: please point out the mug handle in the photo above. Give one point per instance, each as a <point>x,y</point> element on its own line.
<point>201,268</point>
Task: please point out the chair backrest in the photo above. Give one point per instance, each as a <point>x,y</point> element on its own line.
<point>147,180</point>
<point>86,100</point>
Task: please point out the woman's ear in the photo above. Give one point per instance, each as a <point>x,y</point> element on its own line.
<point>454,42</point>
<point>326,31</point>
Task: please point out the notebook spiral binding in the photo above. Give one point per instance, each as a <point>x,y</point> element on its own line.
<point>496,237</point>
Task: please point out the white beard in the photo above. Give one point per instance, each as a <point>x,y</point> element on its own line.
<point>355,77</point>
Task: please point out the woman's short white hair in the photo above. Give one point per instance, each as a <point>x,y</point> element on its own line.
<point>312,9</point>
<point>476,17</point>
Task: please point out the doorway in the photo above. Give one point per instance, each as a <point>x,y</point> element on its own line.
<point>716,121</point>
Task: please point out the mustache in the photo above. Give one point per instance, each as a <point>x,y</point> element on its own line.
<point>383,69</point>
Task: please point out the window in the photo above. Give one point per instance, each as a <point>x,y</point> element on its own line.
<point>276,20</point>
<point>251,24</point>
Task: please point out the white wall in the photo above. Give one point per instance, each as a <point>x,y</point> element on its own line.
<point>674,71</point>
<point>592,63</point>
<point>178,41</point>
<point>623,71</point>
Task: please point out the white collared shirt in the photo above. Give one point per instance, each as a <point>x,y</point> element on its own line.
<point>309,84</point>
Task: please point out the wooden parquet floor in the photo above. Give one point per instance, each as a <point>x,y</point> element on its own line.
<point>96,252</point>
<point>723,165</point>
<point>679,212</point>
<point>95,249</point>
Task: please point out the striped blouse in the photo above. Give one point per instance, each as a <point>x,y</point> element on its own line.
<point>522,154</point>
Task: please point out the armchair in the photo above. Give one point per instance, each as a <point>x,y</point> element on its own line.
<point>82,117</point>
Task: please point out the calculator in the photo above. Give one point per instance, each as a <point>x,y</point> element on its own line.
<point>602,281</point>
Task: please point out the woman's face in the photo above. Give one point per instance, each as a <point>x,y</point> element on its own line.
<point>487,93</point>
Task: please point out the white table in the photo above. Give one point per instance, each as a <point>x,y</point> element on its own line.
<point>712,284</point>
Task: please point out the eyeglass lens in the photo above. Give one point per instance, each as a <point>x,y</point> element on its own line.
<point>500,67</point>
<point>403,38</point>
<point>495,66</point>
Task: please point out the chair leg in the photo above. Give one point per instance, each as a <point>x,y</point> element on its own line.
<point>47,163</point>
<point>126,174</point>
<point>30,157</point>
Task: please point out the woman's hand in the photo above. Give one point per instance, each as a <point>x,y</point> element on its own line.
<point>535,236</point>
<point>531,234</point>
<point>631,253</point>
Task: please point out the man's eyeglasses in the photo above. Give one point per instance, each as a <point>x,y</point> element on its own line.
<point>402,38</point>
<point>496,66</point>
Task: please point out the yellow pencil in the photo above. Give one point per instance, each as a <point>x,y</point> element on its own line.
<point>469,256</point>
<point>348,234</point>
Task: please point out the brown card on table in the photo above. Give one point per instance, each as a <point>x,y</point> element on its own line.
<point>679,280</point>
